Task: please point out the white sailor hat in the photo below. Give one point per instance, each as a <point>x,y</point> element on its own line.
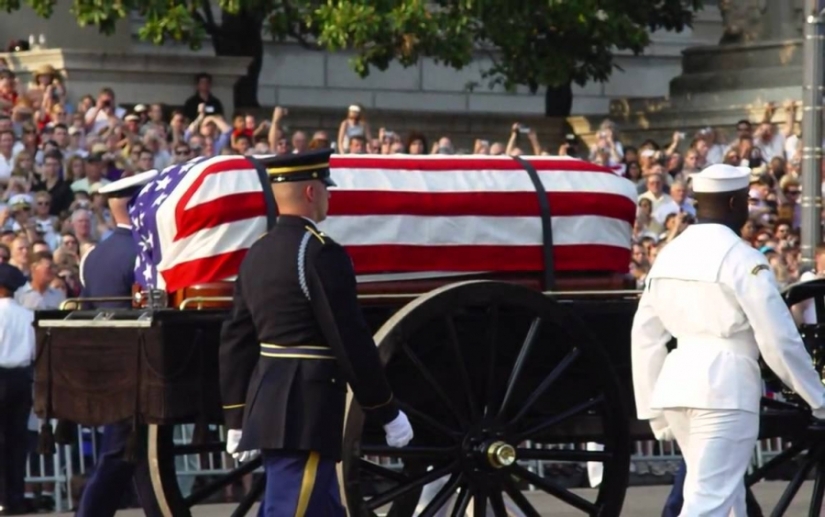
<point>128,186</point>
<point>20,200</point>
<point>720,178</point>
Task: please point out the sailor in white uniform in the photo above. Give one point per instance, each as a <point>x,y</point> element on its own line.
<point>718,297</point>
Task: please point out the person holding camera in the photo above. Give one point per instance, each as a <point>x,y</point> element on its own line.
<point>102,114</point>
<point>517,130</point>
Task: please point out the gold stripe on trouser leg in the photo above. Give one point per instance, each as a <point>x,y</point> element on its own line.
<point>307,484</point>
<point>339,468</point>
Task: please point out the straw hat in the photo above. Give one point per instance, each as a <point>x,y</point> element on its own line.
<point>45,70</point>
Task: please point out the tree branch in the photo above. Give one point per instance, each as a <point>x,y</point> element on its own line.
<point>207,19</point>
<point>292,32</point>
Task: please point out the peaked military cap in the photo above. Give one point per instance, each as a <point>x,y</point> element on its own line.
<point>128,186</point>
<point>310,165</point>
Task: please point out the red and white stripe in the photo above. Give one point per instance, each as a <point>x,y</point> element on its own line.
<point>409,215</point>
<point>209,221</point>
<point>466,214</point>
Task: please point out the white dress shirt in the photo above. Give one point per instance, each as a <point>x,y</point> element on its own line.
<point>16,334</point>
<point>718,297</point>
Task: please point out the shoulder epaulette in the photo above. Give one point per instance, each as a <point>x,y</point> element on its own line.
<point>317,234</point>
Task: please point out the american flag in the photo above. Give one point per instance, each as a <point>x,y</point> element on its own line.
<point>399,214</point>
<point>194,222</point>
<point>394,214</point>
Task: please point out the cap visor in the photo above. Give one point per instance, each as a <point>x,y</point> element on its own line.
<point>329,183</point>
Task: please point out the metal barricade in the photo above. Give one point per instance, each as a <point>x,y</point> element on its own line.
<point>51,475</point>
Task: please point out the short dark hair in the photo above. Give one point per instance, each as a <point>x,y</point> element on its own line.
<point>61,125</point>
<point>203,75</point>
<point>744,121</point>
<point>416,136</point>
<point>41,255</point>
<point>55,154</point>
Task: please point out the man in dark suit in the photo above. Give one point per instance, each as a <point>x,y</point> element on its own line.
<point>294,338</point>
<point>108,271</point>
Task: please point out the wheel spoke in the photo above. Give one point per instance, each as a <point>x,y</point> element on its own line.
<point>394,493</point>
<point>428,421</point>
<point>462,502</point>
<point>819,487</point>
<point>442,496</point>
<point>555,490</point>
<point>434,385</point>
<point>411,451</point>
<point>489,396</point>
<point>518,498</point>
<point>497,503</point>
<point>563,455</point>
<point>211,488</point>
<point>529,339</point>
<point>545,384</point>
<point>760,473</point>
<point>557,419</point>
<point>382,471</point>
<point>479,502</point>
<point>462,368</point>
<point>793,487</point>
<point>249,499</point>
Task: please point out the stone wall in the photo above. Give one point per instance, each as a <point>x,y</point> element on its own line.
<point>134,77</point>
<point>462,129</point>
<point>293,76</point>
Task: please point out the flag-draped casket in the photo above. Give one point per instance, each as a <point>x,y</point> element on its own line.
<point>394,214</point>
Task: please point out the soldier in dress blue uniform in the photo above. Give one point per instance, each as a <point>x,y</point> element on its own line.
<point>294,338</point>
<point>108,271</point>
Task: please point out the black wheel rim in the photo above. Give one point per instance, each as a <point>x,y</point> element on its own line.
<point>485,371</point>
<point>163,451</point>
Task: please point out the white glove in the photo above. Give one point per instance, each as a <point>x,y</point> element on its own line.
<point>819,414</point>
<point>661,429</point>
<point>233,438</point>
<point>399,431</point>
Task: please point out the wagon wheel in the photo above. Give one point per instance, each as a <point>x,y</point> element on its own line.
<point>791,421</point>
<point>494,377</point>
<point>164,454</point>
<point>805,457</point>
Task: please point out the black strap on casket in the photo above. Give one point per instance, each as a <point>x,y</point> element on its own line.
<point>549,273</point>
<point>271,206</point>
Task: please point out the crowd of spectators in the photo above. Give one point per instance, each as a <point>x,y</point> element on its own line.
<point>662,174</point>
<point>56,154</point>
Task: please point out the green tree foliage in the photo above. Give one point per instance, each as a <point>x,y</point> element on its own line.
<point>529,42</point>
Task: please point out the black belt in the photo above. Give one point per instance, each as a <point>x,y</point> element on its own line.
<point>296,351</point>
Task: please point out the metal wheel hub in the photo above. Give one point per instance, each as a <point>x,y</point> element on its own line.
<point>487,450</point>
<point>501,454</point>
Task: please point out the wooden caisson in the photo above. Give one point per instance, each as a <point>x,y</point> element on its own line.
<point>496,371</point>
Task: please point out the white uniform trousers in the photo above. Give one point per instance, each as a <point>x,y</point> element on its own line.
<point>717,446</point>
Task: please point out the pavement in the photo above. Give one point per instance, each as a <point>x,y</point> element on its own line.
<point>643,501</point>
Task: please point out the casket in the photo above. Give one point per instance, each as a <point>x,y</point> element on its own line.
<point>407,222</point>
<point>410,224</point>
